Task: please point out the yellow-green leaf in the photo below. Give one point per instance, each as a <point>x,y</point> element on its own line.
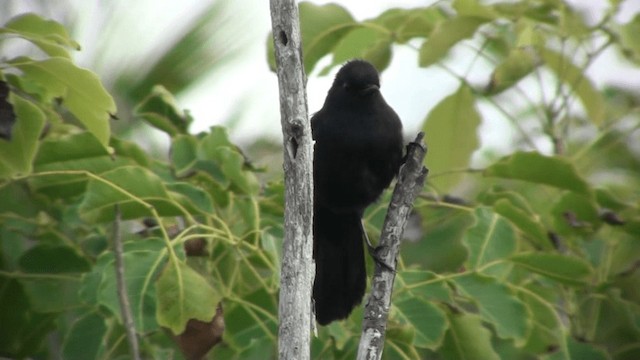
<point>79,89</point>
<point>451,134</point>
<point>183,294</point>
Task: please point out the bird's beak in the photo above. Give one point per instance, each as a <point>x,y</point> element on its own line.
<point>370,88</point>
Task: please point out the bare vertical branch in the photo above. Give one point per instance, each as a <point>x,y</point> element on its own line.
<point>295,314</point>
<point>123,297</point>
<point>410,182</point>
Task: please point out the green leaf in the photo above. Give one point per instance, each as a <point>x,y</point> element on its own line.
<point>451,134</point>
<point>406,24</point>
<point>537,168</point>
<point>365,43</point>
<point>491,239</point>
<point>23,329</point>
<point>519,63</point>
<point>80,90</point>
<point>576,78</point>
<point>48,35</point>
<point>575,213</point>
<point>252,317</point>
<point>161,110</point>
<point>401,344</point>
<point>183,294</point>
<point>498,305</point>
<point>565,269</point>
<point>629,39</point>
<point>53,259</point>
<point>467,339</point>
<point>575,349</point>
<point>528,223</point>
<point>446,35</point>
<point>474,8</point>
<point>55,288</point>
<point>546,326</point>
<point>141,268</point>
<point>183,154</point>
<point>16,155</point>
<point>425,284</point>
<point>74,152</point>
<point>134,189</point>
<point>428,320</point>
<point>85,338</point>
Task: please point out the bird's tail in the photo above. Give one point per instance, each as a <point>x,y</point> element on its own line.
<point>340,269</point>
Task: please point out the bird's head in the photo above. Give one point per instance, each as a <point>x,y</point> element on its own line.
<point>357,78</point>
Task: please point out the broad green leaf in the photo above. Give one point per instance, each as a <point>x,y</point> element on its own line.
<point>56,284</point>
<point>183,294</point>
<point>365,43</point>
<point>575,78</point>
<point>491,239</point>
<point>23,329</point>
<point>528,223</point>
<point>537,168</point>
<point>440,248</point>
<point>575,213</point>
<point>50,293</point>
<point>447,34</point>
<point>546,326</point>
<point>451,130</point>
<point>629,39</point>
<point>498,305</point>
<point>400,344</point>
<point>407,24</point>
<point>48,35</point>
<point>85,338</point>
<point>193,197</point>
<point>53,259</point>
<point>565,269</point>
<point>467,339</point>
<point>474,8</point>
<point>519,63</point>
<point>134,189</point>
<point>572,23</point>
<point>254,316</point>
<point>141,268</point>
<point>232,164</point>
<point>183,154</point>
<point>424,284</point>
<point>16,154</point>
<point>160,109</point>
<point>79,89</point>
<point>74,152</point>
<point>428,320</point>
<point>582,350</point>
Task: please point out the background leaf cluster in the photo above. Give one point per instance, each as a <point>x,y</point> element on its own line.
<point>533,255</point>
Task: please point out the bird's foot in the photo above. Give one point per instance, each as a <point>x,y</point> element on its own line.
<point>374,252</point>
<point>409,146</point>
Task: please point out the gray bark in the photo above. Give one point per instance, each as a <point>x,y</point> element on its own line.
<point>410,182</point>
<point>295,315</point>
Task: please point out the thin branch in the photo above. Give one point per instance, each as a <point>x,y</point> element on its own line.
<point>410,182</point>
<point>123,297</point>
<point>296,278</point>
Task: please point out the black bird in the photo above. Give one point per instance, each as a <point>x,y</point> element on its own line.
<point>358,151</point>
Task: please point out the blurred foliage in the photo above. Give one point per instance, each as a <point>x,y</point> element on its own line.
<point>535,256</point>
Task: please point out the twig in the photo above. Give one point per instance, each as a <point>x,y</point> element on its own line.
<point>123,297</point>
<point>410,182</point>
<point>295,315</point>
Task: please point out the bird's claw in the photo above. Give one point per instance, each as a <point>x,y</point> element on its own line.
<point>373,251</point>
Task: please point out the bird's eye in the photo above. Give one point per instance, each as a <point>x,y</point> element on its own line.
<point>345,85</point>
